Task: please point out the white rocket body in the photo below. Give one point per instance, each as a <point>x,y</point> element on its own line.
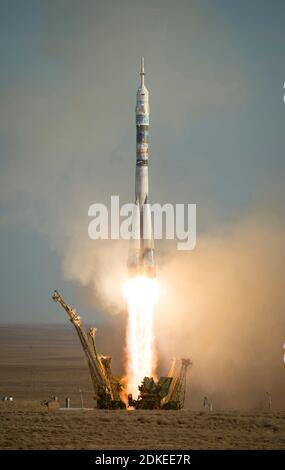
<point>141,258</point>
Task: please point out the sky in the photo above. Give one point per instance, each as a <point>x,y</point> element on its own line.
<point>69,73</point>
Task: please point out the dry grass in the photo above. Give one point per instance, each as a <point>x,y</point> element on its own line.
<point>98,429</point>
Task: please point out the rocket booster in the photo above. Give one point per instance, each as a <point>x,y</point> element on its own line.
<point>141,257</point>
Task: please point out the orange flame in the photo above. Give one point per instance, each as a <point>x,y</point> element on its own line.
<point>141,293</point>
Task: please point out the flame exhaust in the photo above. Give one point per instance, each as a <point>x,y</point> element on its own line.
<point>141,293</point>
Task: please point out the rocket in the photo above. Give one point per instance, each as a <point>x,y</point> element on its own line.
<point>141,255</point>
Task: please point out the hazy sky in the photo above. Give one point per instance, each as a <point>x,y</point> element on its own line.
<point>69,73</point>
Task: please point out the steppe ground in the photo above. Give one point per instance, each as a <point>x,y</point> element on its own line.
<point>36,363</point>
<point>98,429</point>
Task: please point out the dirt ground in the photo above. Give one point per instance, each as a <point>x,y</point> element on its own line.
<point>100,429</point>
<point>38,362</point>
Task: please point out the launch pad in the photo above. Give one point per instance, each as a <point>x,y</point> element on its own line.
<point>109,391</point>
